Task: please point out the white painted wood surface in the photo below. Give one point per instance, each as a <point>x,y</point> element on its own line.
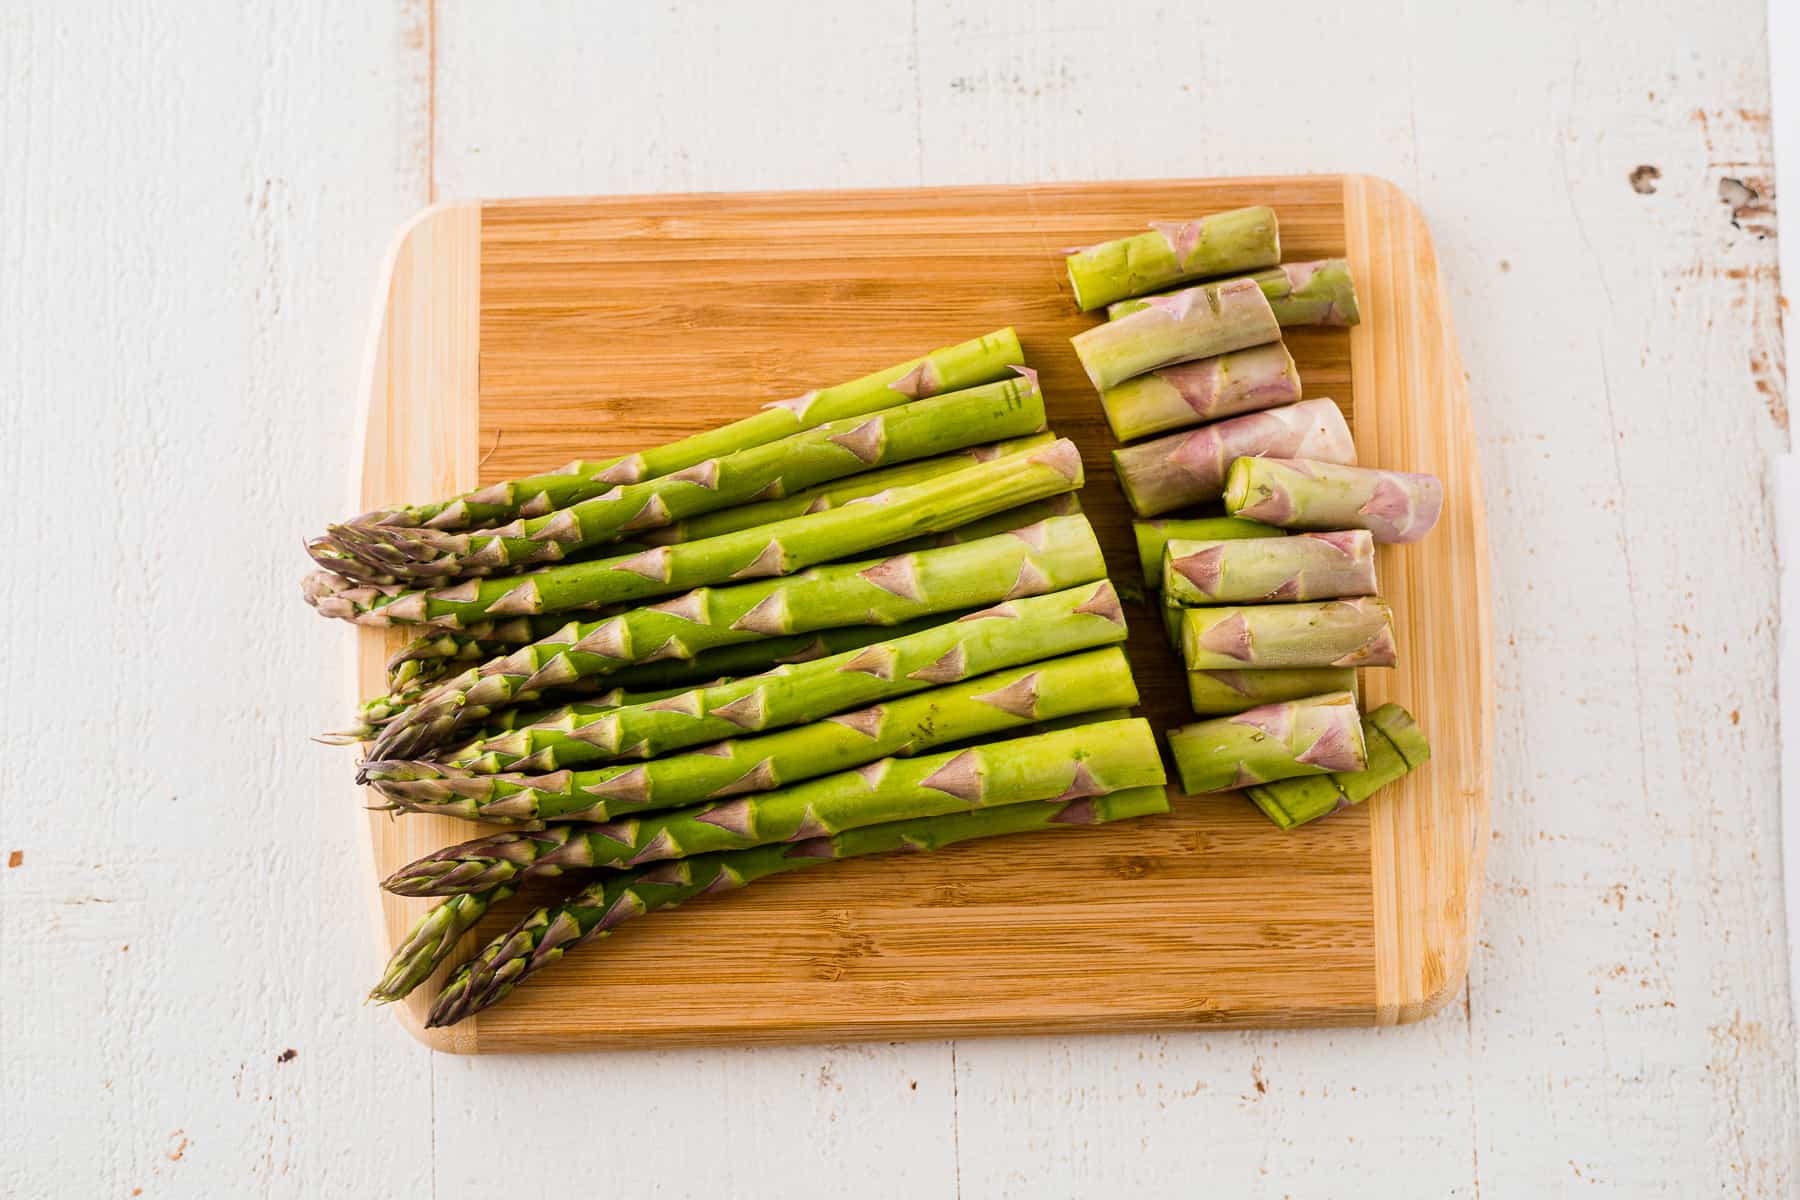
<point>194,198</point>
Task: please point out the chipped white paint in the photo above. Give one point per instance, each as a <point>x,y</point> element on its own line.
<point>194,201</point>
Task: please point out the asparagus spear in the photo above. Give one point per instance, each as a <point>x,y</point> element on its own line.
<point>1014,632</point>
<point>838,492</point>
<point>948,369</point>
<point>1301,293</point>
<point>1174,252</point>
<point>1200,322</point>
<point>431,939</point>
<point>1189,468</point>
<point>1334,633</point>
<point>1152,536</point>
<point>986,704</point>
<point>1221,693</point>
<point>1297,493</point>
<point>1396,746</point>
<point>477,644</point>
<point>1310,566</point>
<point>1041,558</point>
<point>1315,736</point>
<point>779,549</point>
<point>1010,408</point>
<point>1206,389</point>
<point>1069,764</point>
<point>546,935</point>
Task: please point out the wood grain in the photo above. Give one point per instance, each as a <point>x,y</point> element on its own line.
<point>611,323</point>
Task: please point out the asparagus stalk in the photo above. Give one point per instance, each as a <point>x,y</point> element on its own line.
<point>779,549</point>
<point>839,492</point>
<point>1396,746</point>
<point>1206,389</point>
<point>431,939</point>
<point>1153,536</point>
<point>1297,493</point>
<point>1314,736</point>
<point>1041,558</point>
<point>1010,408</point>
<point>546,935</point>
<point>1334,633</point>
<point>1221,693</point>
<point>1068,764</point>
<point>438,650</point>
<point>948,369</point>
<point>1310,566</point>
<point>1301,293</point>
<point>1175,252</point>
<point>987,704</point>
<point>1189,468</point>
<point>1200,322</point>
<point>1012,633</point>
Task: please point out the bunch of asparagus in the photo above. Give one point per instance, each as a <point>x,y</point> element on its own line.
<point>1273,606</point>
<point>871,618</point>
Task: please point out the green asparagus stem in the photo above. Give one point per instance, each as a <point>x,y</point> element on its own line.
<point>1315,736</point>
<point>932,506</point>
<point>547,934</point>
<point>1009,634</point>
<point>1309,566</point>
<point>1334,633</point>
<point>1221,693</point>
<point>1206,389</point>
<point>1201,322</point>
<point>1189,468</point>
<point>1175,252</point>
<point>430,941</point>
<point>1153,536</point>
<point>1296,493</point>
<point>948,369</point>
<point>1041,558</point>
<point>1068,764</point>
<point>1302,293</point>
<point>986,705</point>
<point>480,641</point>
<point>954,421</point>
<point>838,492</point>
<point>1396,746</point>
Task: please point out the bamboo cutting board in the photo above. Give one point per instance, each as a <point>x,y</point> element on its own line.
<point>515,335</point>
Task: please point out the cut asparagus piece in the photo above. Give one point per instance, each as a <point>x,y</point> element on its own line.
<point>1300,493</point>
<point>954,421</point>
<point>1153,536</point>
<point>1396,746</point>
<point>1314,736</point>
<point>1301,293</point>
<point>430,941</point>
<point>948,369</point>
<point>1206,389</point>
<point>932,506</point>
<point>1201,322</point>
<point>1309,566</point>
<point>1009,634</point>
<point>986,705</point>
<point>838,492</point>
<point>1221,693</point>
<point>1069,764</point>
<point>1332,633</point>
<point>546,935</point>
<point>1174,252</point>
<point>1041,558</point>
<point>1189,468</point>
